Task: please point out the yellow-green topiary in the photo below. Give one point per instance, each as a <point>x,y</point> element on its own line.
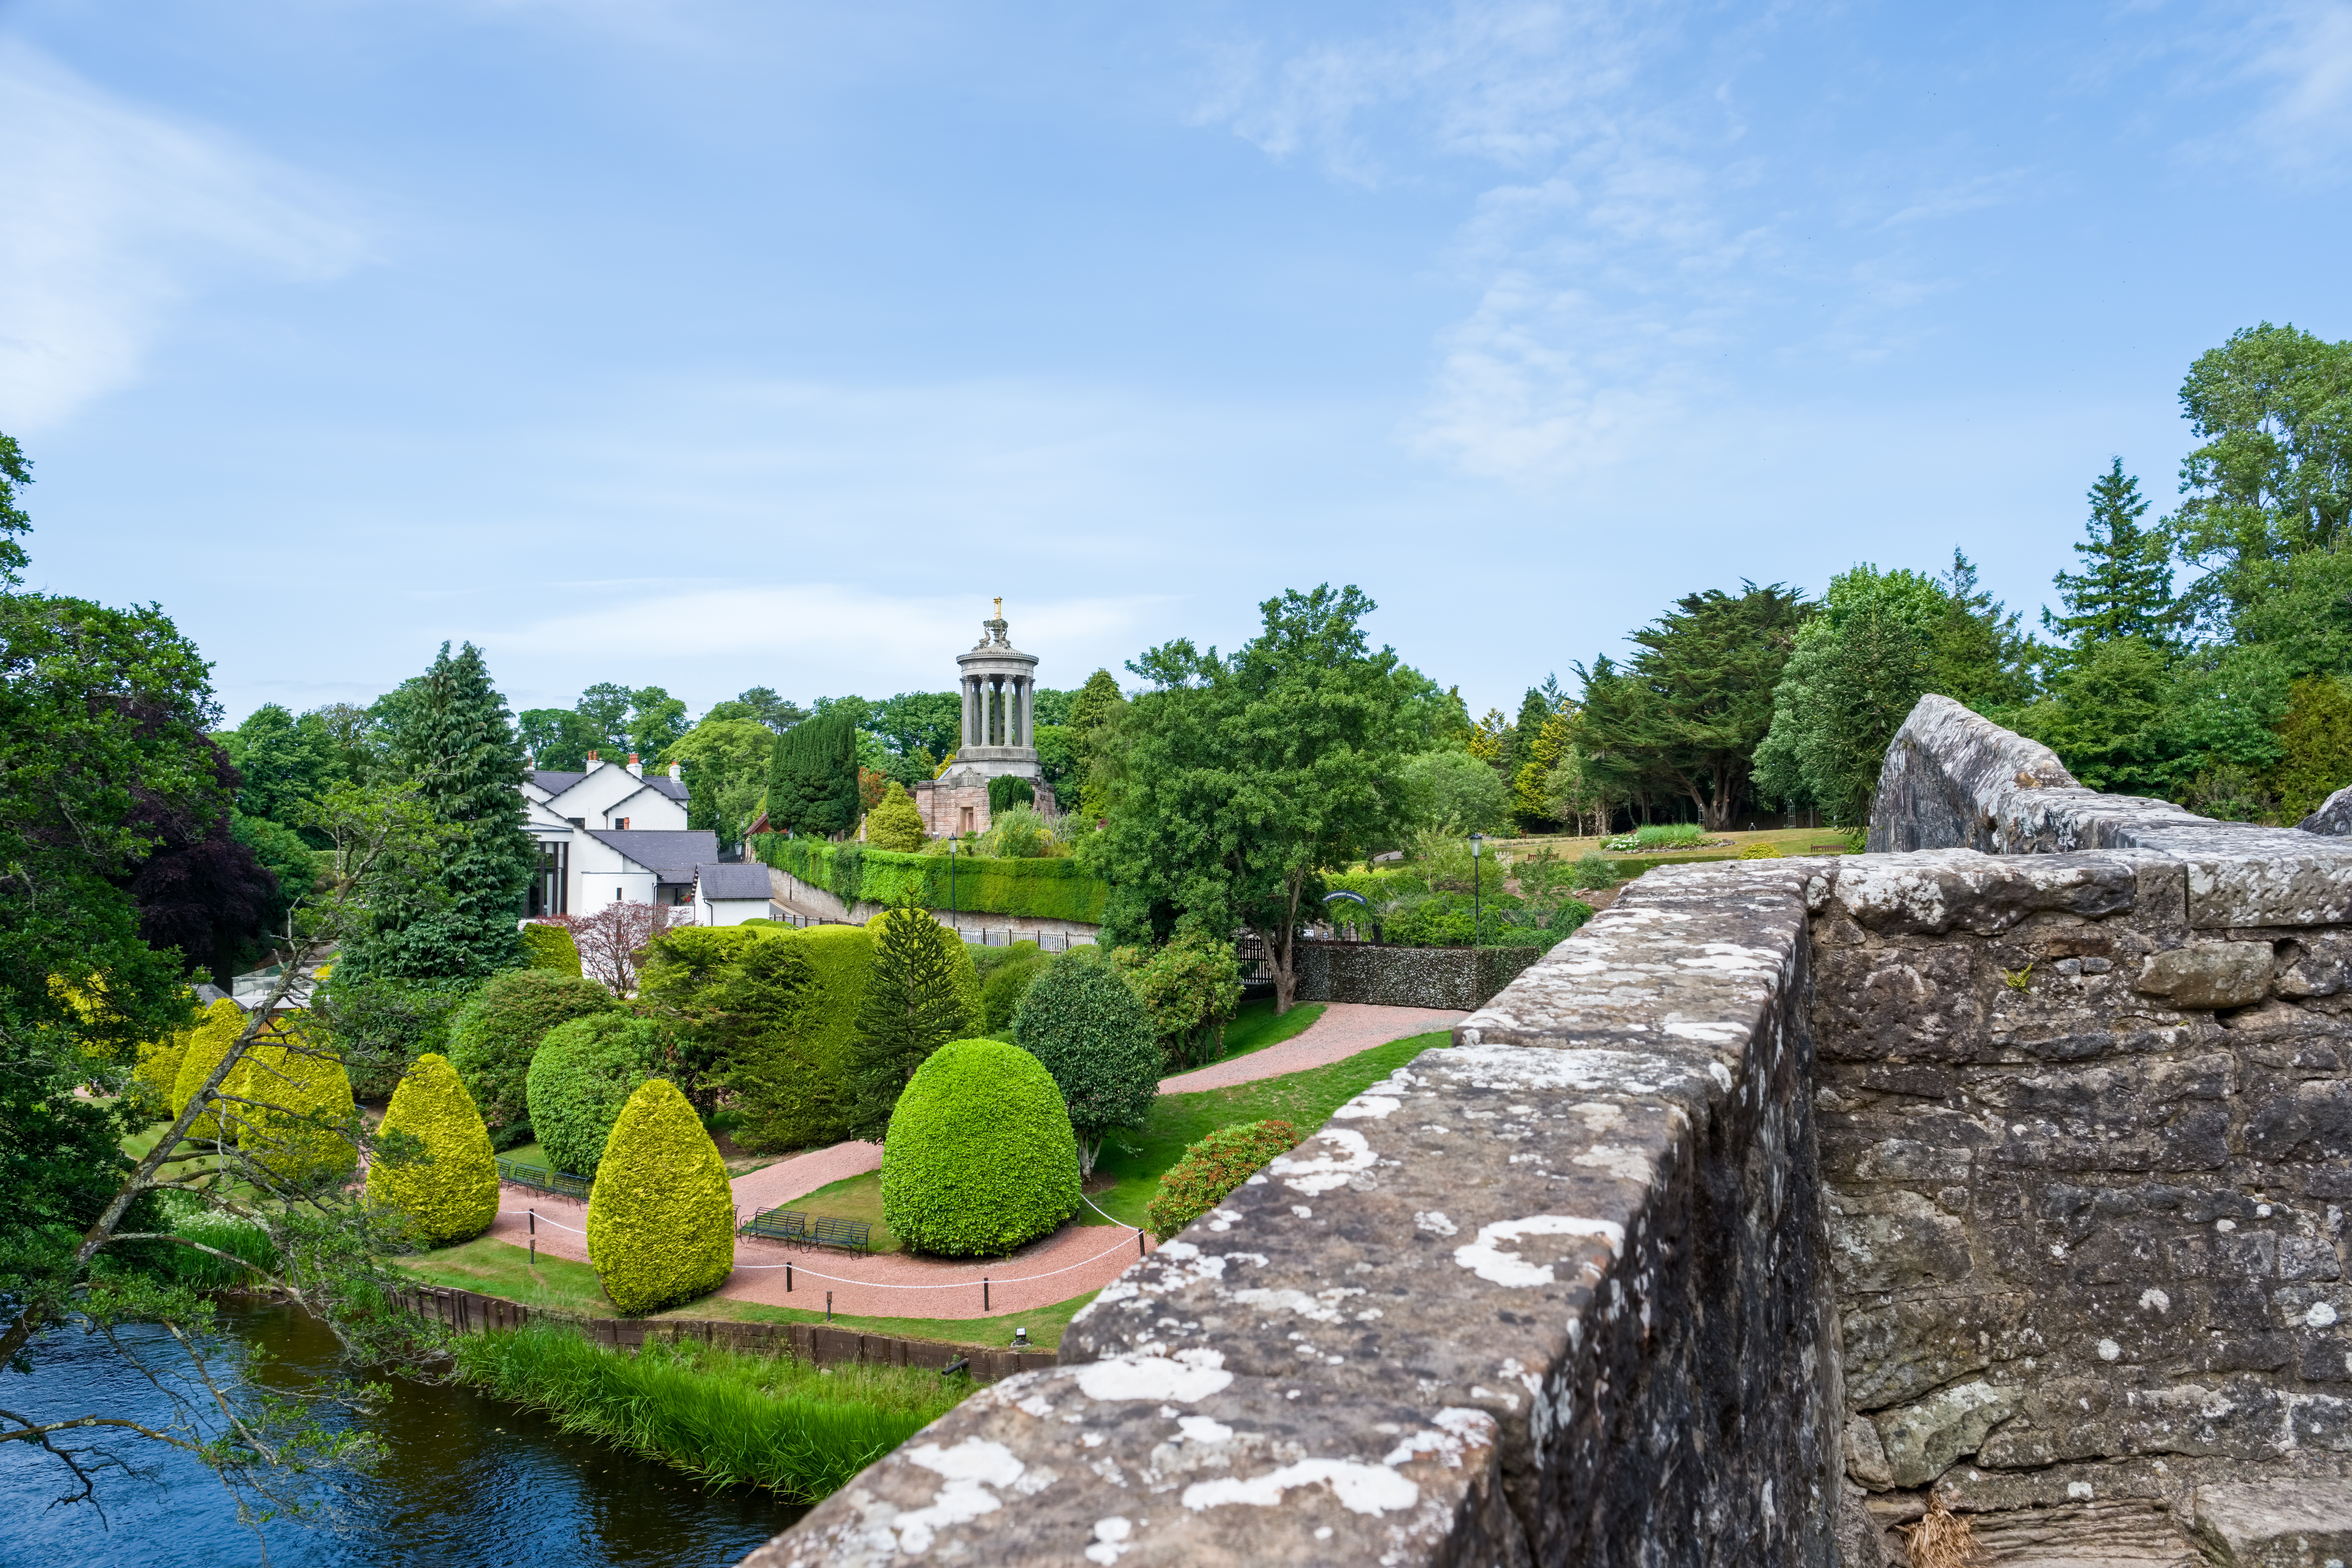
<point>299,1095</point>
<point>158,1072</point>
<point>1761,851</point>
<point>450,1193</point>
<point>208,1042</point>
<point>661,1218</point>
<point>550,947</point>
<point>895,823</point>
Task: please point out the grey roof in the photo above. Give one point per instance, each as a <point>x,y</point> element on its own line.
<point>738,881</point>
<point>671,854</point>
<point>554,783</point>
<point>674,788</point>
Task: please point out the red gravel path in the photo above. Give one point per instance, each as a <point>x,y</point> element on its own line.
<point>1074,1259</point>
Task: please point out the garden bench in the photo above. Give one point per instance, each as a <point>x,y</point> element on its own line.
<point>564,1184</point>
<point>776,1225</point>
<point>826,1231</point>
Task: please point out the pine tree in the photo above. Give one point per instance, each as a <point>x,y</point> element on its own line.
<point>2125,589</point>
<point>813,776</point>
<point>456,920</point>
<point>913,1007</point>
<point>1978,659</point>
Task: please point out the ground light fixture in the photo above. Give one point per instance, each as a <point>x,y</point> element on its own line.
<point>1020,1339</point>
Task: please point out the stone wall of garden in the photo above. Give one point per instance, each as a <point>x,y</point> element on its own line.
<point>1385,976</point>
<point>2010,1162</point>
<point>819,903</point>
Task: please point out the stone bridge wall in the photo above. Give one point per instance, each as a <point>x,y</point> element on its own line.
<point>2010,1160</point>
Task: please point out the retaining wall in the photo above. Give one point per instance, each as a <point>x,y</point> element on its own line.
<point>822,904</point>
<point>2009,1162</point>
<point>1385,976</point>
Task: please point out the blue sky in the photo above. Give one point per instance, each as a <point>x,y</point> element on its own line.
<point>715,345</point>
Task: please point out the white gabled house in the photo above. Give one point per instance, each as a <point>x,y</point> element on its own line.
<point>729,895</point>
<point>611,834</point>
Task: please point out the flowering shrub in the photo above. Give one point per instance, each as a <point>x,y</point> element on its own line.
<point>1213,1168</point>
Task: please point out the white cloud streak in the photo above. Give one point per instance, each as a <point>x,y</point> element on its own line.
<point>114,217</point>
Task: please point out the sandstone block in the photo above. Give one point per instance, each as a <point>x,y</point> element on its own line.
<point>2276,1525</point>
<point>2209,975</point>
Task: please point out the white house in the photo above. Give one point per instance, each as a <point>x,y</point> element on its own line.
<point>611,834</point>
<point>729,895</point>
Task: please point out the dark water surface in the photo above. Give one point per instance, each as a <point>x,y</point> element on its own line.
<point>466,1481</point>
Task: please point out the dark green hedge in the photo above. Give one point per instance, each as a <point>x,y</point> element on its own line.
<point>1042,889</point>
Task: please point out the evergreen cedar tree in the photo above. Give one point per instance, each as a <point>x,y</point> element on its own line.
<point>303,1121</point>
<point>1241,777</point>
<point>813,776</point>
<point>980,1157</point>
<point>447,1190</point>
<point>1090,1031</point>
<point>2125,589</point>
<point>581,1076</point>
<point>469,765</point>
<point>551,947</point>
<point>1211,1169</point>
<point>919,993</point>
<point>495,1033</point>
<point>661,1217</point>
<point>212,1037</point>
<point>896,824</point>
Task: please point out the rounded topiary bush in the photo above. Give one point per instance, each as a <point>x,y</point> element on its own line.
<point>551,947</point>
<point>1761,851</point>
<point>215,1034</point>
<point>300,1097</point>
<point>493,1036</point>
<point>980,1157</point>
<point>158,1072</point>
<point>1083,1020</point>
<point>580,1077</point>
<point>661,1217</point>
<point>1213,1168</point>
<point>448,1191</point>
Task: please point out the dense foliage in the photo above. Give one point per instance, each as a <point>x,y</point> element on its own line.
<point>1094,1035</point>
<point>493,1036</point>
<point>980,1157</point>
<point>300,1120</point>
<point>726,773</point>
<point>1007,982</point>
<point>1059,888</point>
<point>551,947</point>
<point>436,1171</point>
<point>920,993</point>
<point>896,823</point>
<point>661,1218</point>
<point>813,777</point>
<point>581,1076</point>
<point>1213,1168</point>
<point>1190,988</point>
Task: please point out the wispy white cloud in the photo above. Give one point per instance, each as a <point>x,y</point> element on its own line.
<point>2305,66</point>
<point>113,216</point>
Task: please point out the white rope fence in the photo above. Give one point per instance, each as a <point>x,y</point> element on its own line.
<point>984,1280</point>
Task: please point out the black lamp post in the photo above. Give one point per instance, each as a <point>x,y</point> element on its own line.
<point>1477,926</point>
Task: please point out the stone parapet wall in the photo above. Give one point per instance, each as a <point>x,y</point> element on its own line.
<point>1385,976</point>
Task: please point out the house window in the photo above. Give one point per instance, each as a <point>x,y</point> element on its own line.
<point>621,823</point>
<point>548,893</point>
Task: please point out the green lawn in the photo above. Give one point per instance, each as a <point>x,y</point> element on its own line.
<point>1178,1120</point>
<point>1254,1028</point>
<point>495,1268</point>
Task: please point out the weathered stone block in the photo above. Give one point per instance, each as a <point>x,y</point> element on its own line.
<point>1892,1001</point>
<point>1894,1240</point>
<point>1932,892</point>
<point>2209,975</point>
<point>1922,1440</point>
<point>2299,1523</point>
<point>1901,1350</point>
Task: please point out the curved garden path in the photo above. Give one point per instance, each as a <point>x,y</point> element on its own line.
<point>1074,1259</point>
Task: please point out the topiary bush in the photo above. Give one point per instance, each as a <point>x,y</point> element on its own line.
<point>493,1036</point>
<point>551,947</point>
<point>208,1042</point>
<point>980,1157</point>
<point>1213,1168</point>
<point>1761,851</point>
<point>579,1079</point>
<point>1092,1032</point>
<point>896,823</point>
<point>448,1190</point>
<point>301,1126</point>
<point>661,1217</point>
<point>817,1107</point>
<point>1007,982</point>
<point>1006,791</point>
<point>158,1072</point>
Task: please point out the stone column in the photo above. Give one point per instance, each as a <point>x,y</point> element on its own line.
<point>964,737</point>
<point>1029,711</point>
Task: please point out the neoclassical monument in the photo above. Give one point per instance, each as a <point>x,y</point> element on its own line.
<point>999,685</point>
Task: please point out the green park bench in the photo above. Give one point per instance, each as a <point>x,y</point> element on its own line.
<point>540,1178</point>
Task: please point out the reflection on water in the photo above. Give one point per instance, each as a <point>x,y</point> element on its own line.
<point>466,1481</point>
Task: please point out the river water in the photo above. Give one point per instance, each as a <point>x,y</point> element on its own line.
<point>464,1481</point>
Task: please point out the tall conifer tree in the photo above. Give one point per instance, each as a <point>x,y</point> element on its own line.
<point>813,776</point>
<point>2125,589</point>
<point>456,917</point>
<point>913,1008</point>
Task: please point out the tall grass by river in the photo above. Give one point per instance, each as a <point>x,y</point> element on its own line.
<point>725,1417</point>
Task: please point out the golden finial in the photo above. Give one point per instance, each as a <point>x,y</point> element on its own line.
<point>1000,606</point>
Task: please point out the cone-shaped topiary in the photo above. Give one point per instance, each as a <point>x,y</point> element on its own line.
<point>209,1041</point>
<point>451,1193</point>
<point>661,1218</point>
<point>299,1096</point>
<point>493,1037</point>
<point>158,1072</point>
<point>580,1077</point>
<point>980,1157</point>
<point>896,822</point>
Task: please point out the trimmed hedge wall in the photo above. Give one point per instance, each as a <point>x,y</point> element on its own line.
<point>1041,889</point>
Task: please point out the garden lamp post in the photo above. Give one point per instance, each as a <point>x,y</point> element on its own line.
<point>1477,926</point>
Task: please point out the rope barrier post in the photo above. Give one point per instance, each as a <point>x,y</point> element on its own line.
<point>788,1279</point>
<point>534,1238</point>
<point>983,1292</point>
<point>829,1305</point>
<point>1138,1241</point>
